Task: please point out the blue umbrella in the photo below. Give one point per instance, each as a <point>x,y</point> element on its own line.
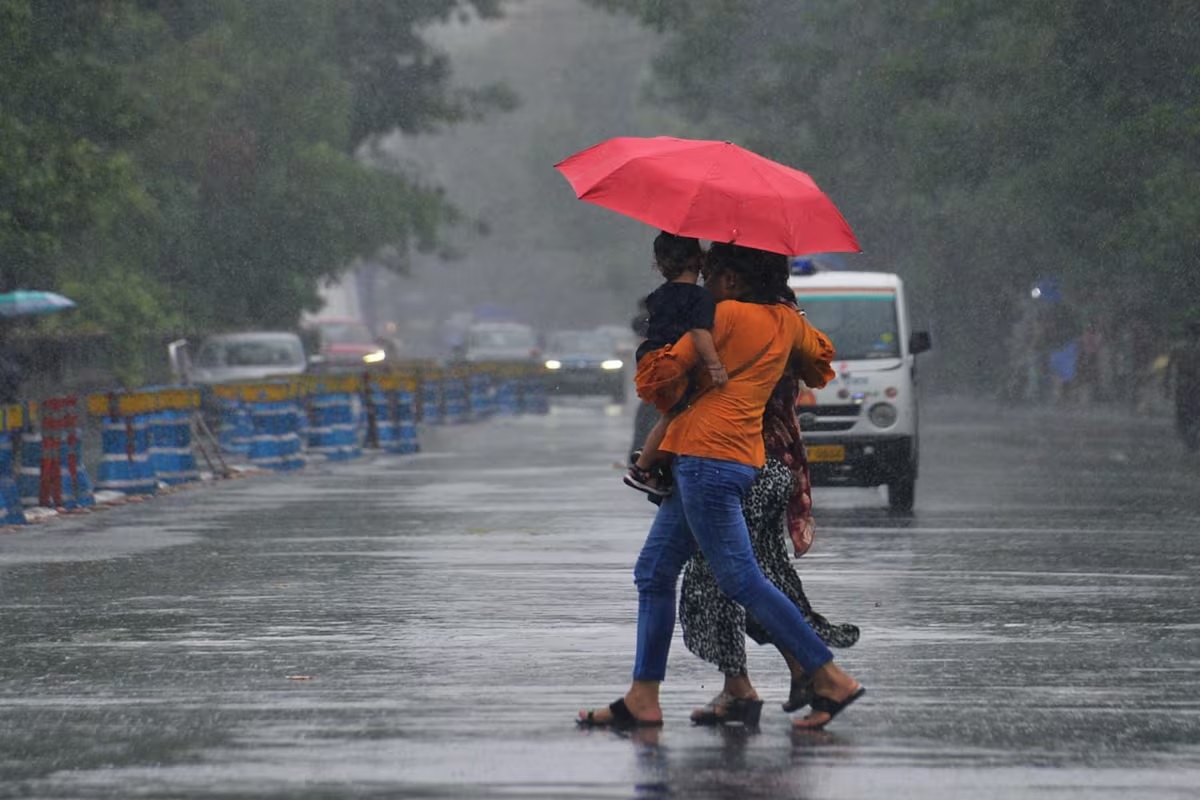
<point>22,303</point>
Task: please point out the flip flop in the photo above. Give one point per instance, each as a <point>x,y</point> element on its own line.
<point>831,707</point>
<point>738,710</point>
<point>622,718</point>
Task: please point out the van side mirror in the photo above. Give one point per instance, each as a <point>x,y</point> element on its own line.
<point>919,342</point>
<point>180,361</point>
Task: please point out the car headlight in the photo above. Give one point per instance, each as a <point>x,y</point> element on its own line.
<point>883,415</point>
<point>612,363</point>
<point>375,358</point>
<point>553,363</point>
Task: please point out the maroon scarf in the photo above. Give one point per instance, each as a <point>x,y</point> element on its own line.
<point>783,440</point>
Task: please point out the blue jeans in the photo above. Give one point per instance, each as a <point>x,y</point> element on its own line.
<point>706,509</point>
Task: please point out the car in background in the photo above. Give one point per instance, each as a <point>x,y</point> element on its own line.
<point>624,339</point>
<point>584,362</point>
<point>245,356</point>
<point>344,343</point>
<point>500,341</point>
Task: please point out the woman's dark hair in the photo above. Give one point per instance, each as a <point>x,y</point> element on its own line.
<point>764,274</point>
<point>673,255</point>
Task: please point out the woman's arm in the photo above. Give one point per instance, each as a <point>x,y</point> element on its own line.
<point>812,354</point>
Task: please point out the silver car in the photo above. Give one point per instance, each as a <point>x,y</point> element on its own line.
<point>501,341</point>
<point>256,355</point>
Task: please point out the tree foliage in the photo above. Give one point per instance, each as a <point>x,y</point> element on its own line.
<point>974,146</point>
<point>196,163</point>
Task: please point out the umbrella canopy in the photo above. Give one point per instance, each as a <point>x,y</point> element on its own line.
<point>710,190</point>
<point>23,303</point>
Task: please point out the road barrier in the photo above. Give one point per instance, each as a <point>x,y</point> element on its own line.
<point>149,437</point>
<point>392,408</point>
<point>454,396</point>
<point>12,419</point>
<point>29,474</point>
<point>171,447</point>
<point>481,394</point>
<point>64,480</point>
<point>235,427</point>
<point>429,409</point>
<point>334,417</point>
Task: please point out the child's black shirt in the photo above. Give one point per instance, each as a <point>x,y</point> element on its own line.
<point>676,308</point>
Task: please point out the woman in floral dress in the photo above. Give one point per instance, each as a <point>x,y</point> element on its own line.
<point>777,507</point>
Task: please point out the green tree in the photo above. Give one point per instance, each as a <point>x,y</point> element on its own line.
<point>973,146</point>
<point>197,163</point>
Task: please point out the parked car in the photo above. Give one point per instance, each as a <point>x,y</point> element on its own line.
<point>584,362</point>
<point>250,355</point>
<point>345,342</point>
<point>500,341</point>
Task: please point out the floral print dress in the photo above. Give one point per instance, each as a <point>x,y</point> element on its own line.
<point>778,511</point>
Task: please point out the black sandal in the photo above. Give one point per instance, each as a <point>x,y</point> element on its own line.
<point>800,695</point>
<point>622,719</point>
<point>832,707</point>
<point>738,711</point>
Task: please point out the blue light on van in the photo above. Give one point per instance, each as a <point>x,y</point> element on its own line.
<point>803,266</point>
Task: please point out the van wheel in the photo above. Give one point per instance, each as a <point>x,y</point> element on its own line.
<point>902,493</point>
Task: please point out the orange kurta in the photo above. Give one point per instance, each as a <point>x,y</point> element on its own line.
<point>725,422</point>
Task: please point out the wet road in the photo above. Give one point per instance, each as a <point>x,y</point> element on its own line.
<point>427,626</point>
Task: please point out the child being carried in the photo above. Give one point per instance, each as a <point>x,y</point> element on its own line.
<point>679,307</point>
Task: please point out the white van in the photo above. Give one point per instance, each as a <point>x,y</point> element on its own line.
<point>862,429</point>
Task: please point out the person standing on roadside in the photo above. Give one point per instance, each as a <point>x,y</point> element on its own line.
<point>1183,375</point>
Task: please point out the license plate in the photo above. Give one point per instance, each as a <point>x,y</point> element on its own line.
<point>826,452</point>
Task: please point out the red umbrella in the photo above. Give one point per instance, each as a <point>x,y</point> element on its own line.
<point>710,190</point>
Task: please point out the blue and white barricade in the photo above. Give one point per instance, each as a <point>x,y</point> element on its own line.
<point>406,422</point>
<point>275,443</point>
<point>431,399</point>
<point>534,399</point>
<point>333,426</point>
<point>171,447</point>
<point>454,398</point>
<point>29,473</point>
<point>236,427</point>
<point>480,384</point>
<point>395,419</point>
<point>378,409</point>
<point>11,510</point>
<point>76,485</point>
<point>508,391</point>
<point>125,464</point>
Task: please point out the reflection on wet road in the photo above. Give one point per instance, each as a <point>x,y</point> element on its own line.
<point>427,627</point>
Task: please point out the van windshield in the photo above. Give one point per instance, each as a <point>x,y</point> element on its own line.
<point>861,325</point>
<point>256,352</point>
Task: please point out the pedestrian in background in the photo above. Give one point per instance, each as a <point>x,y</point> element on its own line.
<point>1183,377</point>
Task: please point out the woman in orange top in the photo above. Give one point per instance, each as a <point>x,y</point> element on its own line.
<point>718,448</point>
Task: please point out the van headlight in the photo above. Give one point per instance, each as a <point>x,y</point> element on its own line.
<point>375,357</point>
<point>553,363</point>
<point>883,415</point>
<point>612,363</point>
